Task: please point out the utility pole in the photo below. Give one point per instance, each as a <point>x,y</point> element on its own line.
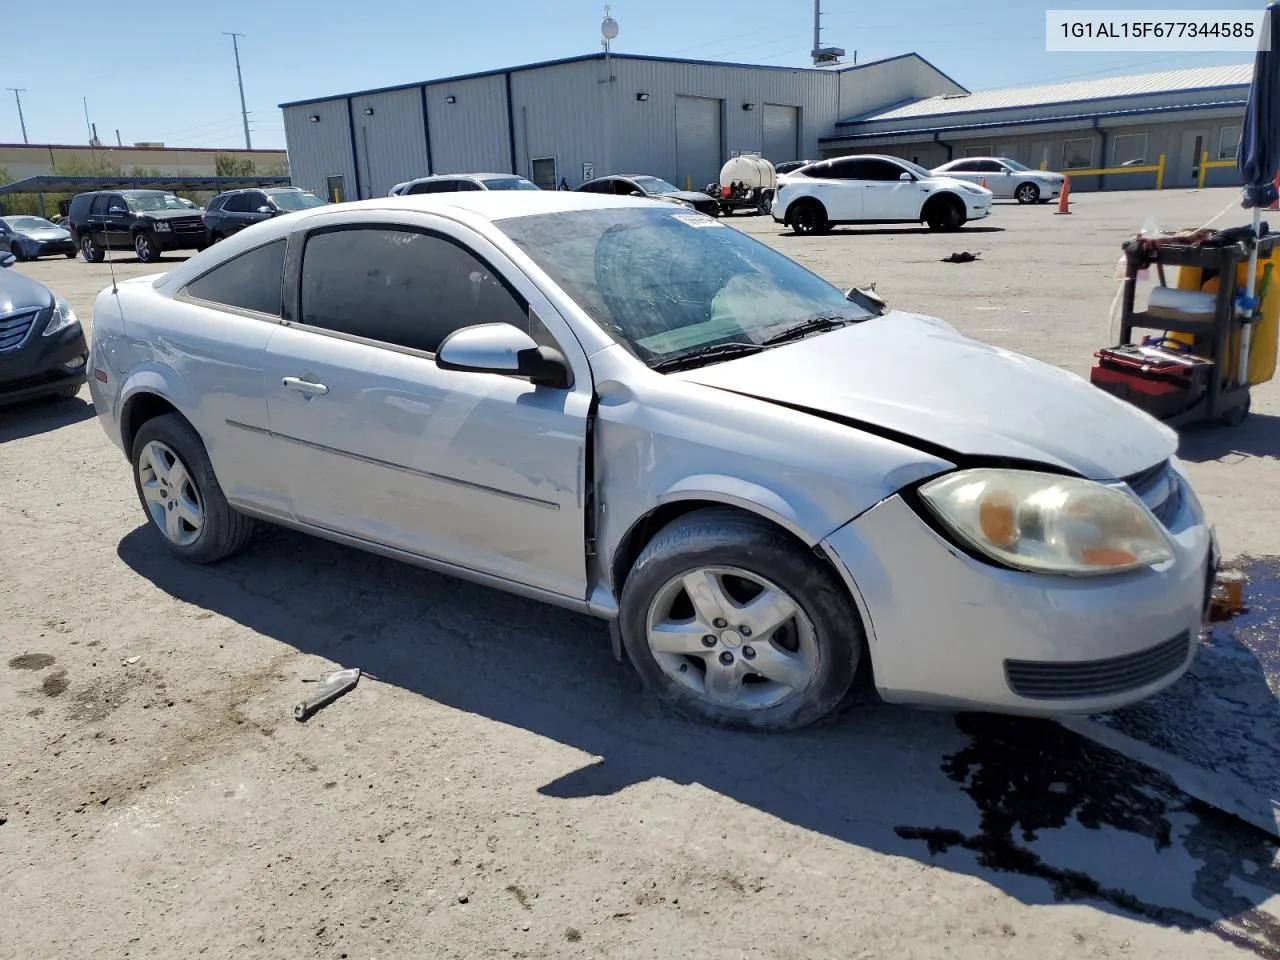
<point>244,113</point>
<point>17,95</point>
<point>822,55</point>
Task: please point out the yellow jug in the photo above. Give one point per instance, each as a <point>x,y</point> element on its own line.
<point>1265,341</point>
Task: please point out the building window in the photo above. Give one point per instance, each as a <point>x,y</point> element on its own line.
<point>984,151</point>
<point>1129,149</point>
<point>336,189</point>
<point>1077,154</point>
<point>1228,141</point>
<point>543,172</point>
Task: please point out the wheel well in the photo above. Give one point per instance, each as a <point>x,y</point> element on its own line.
<point>806,201</point>
<point>644,530</point>
<point>140,409</point>
<point>937,198</point>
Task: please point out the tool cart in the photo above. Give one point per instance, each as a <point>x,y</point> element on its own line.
<point>1208,338</point>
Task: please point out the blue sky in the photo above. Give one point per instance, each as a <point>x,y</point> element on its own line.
<point>167,73</point>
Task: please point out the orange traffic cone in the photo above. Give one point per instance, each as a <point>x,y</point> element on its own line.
<point>984,183</point>
<point>1062,199</point>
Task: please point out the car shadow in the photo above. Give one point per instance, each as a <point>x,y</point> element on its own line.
<point>1024,805</point>
<point>894,231</point>
<point>42,415</point>
<point>1258,436</point>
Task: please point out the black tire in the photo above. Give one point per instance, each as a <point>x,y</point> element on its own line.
<point>144,247</point>
<point>16,250</point>
<point>90,251</point>
<point>808,217</point>
<point>1026,193</point>
<point>66,393</point>
<point>71,255</point>
<point>726,537</point>
<point>765,205</point>
<point>1236,415</point>
<point>944,213</point>
<point>225,530</point>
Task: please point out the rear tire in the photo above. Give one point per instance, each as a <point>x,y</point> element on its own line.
<point>788,675</point>
<point>944,214</point>
<point>808,217</point>
<point>1027,193</point>
<point>90,251</point>
<point>222,530</point>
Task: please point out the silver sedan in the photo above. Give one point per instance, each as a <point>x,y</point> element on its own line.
<point>635,411</point>
<point>1007,179</point>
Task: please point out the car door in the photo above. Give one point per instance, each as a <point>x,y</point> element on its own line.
<point>842,192</point>
<point>999,179</point>
<point>966,170</point>
<point>477,470</point>
<point>118,222</point>
<point>886,196</point>
<point>96,220</point>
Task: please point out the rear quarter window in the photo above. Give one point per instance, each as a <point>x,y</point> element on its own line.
<point>254,280</point>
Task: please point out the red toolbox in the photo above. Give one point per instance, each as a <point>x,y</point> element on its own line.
<point>1159,381</point>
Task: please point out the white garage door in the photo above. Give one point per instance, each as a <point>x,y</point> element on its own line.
<point>698,141</point>
<point>781,133</point>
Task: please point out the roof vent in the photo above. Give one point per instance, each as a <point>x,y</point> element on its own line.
<point>954,96</point>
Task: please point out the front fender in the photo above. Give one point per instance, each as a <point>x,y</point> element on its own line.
<point>752,497</point>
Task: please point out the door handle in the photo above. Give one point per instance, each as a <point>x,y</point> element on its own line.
<point>305,386</point>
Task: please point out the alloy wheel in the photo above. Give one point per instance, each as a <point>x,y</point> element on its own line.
<point>171,498</point>
<point>732,637</point>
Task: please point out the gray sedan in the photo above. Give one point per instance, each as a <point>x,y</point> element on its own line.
<point>632,410</point>
<point>29,238</point>
<point>1007,179</point>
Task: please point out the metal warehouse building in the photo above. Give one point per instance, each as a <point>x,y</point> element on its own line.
<point>1182,114</point>
<point>590,116</point>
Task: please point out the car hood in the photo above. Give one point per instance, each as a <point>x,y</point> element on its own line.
<point>45,233</point>
<point>20,293</point>
<point>170,214</point>
<point>917,377</point>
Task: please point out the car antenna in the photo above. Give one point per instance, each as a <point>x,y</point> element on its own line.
<point>115,290</point>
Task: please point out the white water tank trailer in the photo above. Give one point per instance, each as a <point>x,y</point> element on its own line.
<point>746,182</point>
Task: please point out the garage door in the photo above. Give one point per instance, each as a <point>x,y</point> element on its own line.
<point>781,133</point>
<point>697,141</point>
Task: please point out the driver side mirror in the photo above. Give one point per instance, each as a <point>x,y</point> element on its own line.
<point>7,260</point>
<point>116,210</point>
<point>906,177</point>
<point>503,349</point>
<point>636,193</point>
<point>266,209</point>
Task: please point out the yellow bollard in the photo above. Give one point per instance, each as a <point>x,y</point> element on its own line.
<point>1204,170</point>
<point>1160,172</point>
<point>688,181</point>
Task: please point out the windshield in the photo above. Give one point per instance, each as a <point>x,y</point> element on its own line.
<point>655,186</point>
<point>1013,164</point>
<point>920,172</point>
<point>28,223</point>
<point>154,201</point>
<point>509,183</point>
<point>296,200</point>
<point>666,282</point>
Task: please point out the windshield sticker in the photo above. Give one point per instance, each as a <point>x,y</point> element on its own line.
<point>697,220</point>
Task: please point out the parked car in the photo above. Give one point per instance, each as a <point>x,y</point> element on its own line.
<point>454,182</point>
<point>643,185</point>
<point>149,222</point>
<point>42,348</point>
<point>1006,179</point>
<point>790,166</point>
<point>29,238</point>
<point>234,210</point>
<point>641,413</point>
<point>875,189</point>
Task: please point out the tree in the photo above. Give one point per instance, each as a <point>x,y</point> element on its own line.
<point>225,165</point>
<point>278,169</point>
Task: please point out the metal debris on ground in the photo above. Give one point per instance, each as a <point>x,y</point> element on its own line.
<point>964,256</point>
<point>331,686</point>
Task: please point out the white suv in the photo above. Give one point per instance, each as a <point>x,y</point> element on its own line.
<point>455,182</point>
<point>875,189</point>
<point>1007,179</point>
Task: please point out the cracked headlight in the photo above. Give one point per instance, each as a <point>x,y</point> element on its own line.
<point>63,317</point>
<point>1047,523</point>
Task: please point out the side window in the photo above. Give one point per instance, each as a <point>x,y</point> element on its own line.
<point>820,171</point>
<point>236,203</point>
<point>99,205</point>
<point>401,287</point>
<point>848,170</point>
<point>251,281</point>
<point>881,170</point>
<point>255,200</point>
<point>596,186</point>
<point>117,201</point>
<point>215,204</point>
<point>990,166</point>
<point>623,188</point>
<point>462,185</point>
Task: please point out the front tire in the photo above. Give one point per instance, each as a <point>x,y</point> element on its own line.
<point>944,214</point>
<point>1027,193</point>
<point>71,255</point>
<point>180,494</point>
<point>808,217</point>
<point>785,636</point>
<point>90,251</point>
<point>144,247</point>
<point>16,249</point>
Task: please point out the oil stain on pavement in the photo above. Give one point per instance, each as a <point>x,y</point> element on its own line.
<point>1028,777</point>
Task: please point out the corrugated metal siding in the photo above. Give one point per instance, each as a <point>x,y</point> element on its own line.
<point>781,133</point>
<point>1160,85</point>
<point>889,83</point>
<point>391,143</point>
<point>470,135</point>
<point>560,112</point>
<point>319,150</point>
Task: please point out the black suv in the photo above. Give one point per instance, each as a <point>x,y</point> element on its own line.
<point>234,210</point>
<point>149,222</point>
